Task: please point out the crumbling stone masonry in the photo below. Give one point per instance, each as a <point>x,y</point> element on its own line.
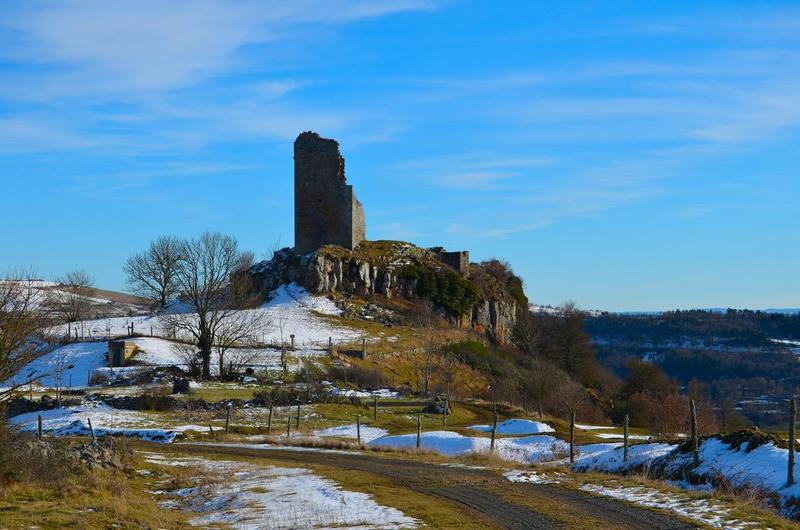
<point>326,210</point>
<point>459,260</point>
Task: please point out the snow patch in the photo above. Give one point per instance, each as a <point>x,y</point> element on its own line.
<point>612,460</point>
<point>254,497</point>
<point>592,427</point>
<point>531,477</point>
<point>106,421</point>
<point>614,436</point>
<point>383,393</point>
<point>349,431</point>
<point>529,449</point>
<point>702,510</point>
<point>515,426</point>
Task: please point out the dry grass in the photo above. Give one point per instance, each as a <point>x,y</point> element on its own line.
<point>82,498</point>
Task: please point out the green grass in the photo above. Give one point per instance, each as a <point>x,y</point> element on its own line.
<point>215,392</point>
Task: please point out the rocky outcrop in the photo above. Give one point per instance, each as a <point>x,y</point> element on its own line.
<point>368,273</point>
<point>496,318</point>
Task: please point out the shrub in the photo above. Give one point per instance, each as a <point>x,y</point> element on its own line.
<point>361,376</point>
<point>470,352</point>
<point>444,288</point>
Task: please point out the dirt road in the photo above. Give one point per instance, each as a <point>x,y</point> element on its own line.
<point>484,493</point>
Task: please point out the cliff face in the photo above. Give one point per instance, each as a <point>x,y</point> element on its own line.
<point>383,268</point>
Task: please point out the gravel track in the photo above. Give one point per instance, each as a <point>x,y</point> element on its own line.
<point>482,492</point>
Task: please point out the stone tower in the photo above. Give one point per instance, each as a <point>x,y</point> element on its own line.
<point>326,210</point>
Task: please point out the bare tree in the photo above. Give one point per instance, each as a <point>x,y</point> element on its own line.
<point>70,300</point>
<point>238,330</point>
<point>61,362</point>
<point>151,274</point>
<point>23,318</point>
<point>428,320</point>
<point>208,269</point>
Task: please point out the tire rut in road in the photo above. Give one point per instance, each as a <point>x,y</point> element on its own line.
<point>501,513</point>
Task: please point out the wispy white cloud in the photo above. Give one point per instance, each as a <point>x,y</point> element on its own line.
<point>147,74</point>
<point>133,45</point>
<point>468,170</point>
<point>137,183</point>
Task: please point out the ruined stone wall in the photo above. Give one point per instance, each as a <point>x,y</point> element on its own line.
<point>326,210</point>
<point>457,260</point>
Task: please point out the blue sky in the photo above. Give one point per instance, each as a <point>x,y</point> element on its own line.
<point>625,155</point>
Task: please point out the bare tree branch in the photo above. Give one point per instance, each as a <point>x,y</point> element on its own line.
<point>23,317</point>
<point>151,274</point>
<point>70,300</point>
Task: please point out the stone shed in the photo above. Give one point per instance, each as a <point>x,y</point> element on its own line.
<point>119,351</point>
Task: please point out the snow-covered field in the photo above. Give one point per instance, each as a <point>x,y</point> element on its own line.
<point>764,467</point>
<point>293,308</point>
<point>515,426</point>
<point>74,421</point>
<point>610,459</point>
<point>255,497</point>
<point>79,361</point>
<point>75,362</point>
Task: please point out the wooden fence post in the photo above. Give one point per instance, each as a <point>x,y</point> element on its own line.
<point>228,417</point>
<point>625,439</point>
<point>91,429</point>
<point>693,427</point>
<point>288,425</point>
<point>541,412</point>
<point>269,421</point>
<point>419,431</point>
<point>494,434</point>
<point>375,409</point>
<point>297,425</point>
<point>358,429</point>
<point>793,421</point>
<point>363,347</point>
<point>39,429</point>
<point>572,438</point>
<point>211,430</point>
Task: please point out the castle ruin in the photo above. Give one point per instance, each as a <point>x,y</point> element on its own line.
<point>458,261</point>
<point>326,210</point>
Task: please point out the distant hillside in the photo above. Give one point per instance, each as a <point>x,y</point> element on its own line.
<point>748,359</point>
